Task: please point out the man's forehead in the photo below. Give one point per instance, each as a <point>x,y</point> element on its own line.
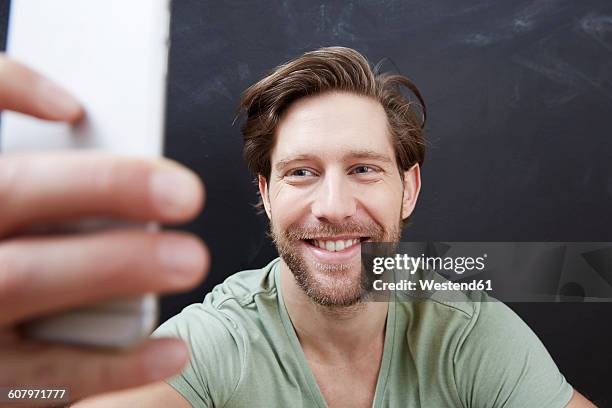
<point>333,110</point>
<point>333,125</point>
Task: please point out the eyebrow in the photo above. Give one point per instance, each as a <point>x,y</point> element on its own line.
<point>353,154</point>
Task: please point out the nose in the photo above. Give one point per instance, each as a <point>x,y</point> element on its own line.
<point>334,201</point>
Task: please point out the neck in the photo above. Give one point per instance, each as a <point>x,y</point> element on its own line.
<point>333,333</point>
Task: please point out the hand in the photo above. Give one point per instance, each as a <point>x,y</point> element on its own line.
<point>46,273</point>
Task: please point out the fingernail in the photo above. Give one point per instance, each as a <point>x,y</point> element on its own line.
<point>165,358</point>
<point>182,256</point>
<point>57,102</point>
<point>175,192</point>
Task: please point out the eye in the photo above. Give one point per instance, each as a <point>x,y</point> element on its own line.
<point>300,173</point>
<point>364,170</point>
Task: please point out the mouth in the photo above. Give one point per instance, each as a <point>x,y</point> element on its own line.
<point>335,244</point>
<point>335,250</point>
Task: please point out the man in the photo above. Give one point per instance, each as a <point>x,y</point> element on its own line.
<point>337,151</point>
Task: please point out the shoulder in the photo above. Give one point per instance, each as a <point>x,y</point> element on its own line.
<point>494,327</point>
<point>244,287</point>
<point>217,318</point>
<point>217,331</point>
<point>502,359</point>
<point>485,352</point>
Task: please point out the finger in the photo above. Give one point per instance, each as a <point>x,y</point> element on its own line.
<point>39,275</point>
<point>24,90</point>
<point>43,187</point>
<point>84,372</point>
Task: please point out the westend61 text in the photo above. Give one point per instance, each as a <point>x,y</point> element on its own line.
<point>432,285</point>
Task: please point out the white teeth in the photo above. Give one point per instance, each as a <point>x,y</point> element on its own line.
<point>334,246</point>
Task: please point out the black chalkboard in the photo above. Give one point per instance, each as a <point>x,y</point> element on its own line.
<point>520,140</point>
<point>519,136</point>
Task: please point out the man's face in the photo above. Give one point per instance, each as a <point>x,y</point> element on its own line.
<point>334,183</point>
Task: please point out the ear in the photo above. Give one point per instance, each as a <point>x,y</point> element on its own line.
<point>412,187</point>
<point>263,191</point>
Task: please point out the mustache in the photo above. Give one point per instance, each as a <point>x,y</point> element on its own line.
<point>325,230</point>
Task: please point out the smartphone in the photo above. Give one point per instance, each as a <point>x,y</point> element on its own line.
<point>113,56</point>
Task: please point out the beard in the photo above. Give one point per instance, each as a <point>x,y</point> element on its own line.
<point>330,285</point>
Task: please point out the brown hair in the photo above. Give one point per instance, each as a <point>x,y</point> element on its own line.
<point>329,69</point>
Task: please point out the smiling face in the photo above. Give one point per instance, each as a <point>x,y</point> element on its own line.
<point>334,183</point>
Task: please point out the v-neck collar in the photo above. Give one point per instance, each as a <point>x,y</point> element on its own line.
<point>315,391</point>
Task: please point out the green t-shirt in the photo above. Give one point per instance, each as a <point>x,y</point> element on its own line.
<point>245,353</point>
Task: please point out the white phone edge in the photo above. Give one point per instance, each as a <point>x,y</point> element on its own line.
<point>96,50</point>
